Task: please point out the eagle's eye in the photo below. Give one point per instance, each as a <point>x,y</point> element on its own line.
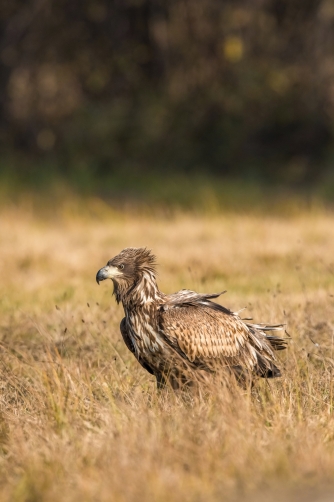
<point>121,266</point>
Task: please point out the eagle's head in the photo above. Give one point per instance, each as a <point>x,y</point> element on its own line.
<point>127,269</point>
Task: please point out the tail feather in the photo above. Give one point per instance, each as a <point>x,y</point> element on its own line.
<point>276,342</point>
<point>273,372</point>
<point>268,327</point>
<point>266,368</point>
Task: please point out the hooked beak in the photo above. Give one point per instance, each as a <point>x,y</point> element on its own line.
<point>107,272</point>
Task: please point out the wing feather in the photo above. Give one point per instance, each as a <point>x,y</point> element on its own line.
<point>204,334</point>
<point>205,331</point>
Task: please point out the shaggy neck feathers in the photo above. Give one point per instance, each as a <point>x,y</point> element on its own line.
<point>143,292</point>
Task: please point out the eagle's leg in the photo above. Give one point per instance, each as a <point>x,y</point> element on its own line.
<point>161,381</point>
<point>170,380</point>
<point>243,377</point>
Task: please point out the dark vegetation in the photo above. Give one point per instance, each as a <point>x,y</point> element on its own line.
<point>104,94</point>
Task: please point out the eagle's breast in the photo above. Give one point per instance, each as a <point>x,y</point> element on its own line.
<point>144,335</point>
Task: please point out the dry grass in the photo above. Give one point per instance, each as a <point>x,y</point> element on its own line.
<point>81,421</point>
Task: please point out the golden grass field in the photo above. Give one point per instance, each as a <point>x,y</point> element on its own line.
<point>82,421</point>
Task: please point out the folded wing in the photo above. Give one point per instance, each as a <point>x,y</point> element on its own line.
<point>206,333</point>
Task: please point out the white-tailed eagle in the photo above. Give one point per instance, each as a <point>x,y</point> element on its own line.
<point>184,336</point>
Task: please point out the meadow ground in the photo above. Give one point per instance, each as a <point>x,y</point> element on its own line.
<point>82,421</point>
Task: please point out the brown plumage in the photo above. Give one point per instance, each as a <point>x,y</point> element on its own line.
<point>183,337</point>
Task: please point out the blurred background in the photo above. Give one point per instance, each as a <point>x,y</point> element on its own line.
<point>131,99</point>
<point>204,130</point>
